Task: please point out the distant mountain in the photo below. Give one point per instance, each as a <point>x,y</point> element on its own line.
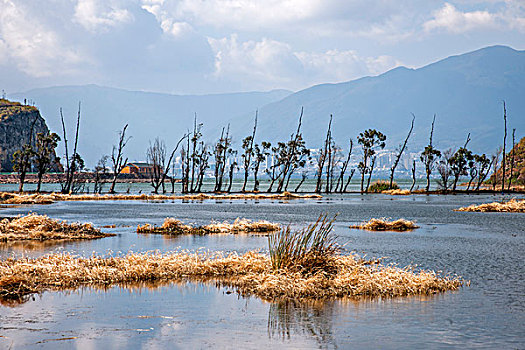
<point>465,92</point>
<point>105,111</point>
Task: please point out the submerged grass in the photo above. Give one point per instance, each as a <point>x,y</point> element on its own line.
<point>173,227</point>
<point>41,228</point>
<point>512,206</point>
<point>36,198</point>
<point>386,225</point>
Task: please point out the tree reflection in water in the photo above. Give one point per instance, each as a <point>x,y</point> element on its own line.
<point>313,318</point>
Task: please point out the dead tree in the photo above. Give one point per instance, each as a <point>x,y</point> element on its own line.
<point>352,172</point>
<point>100,174</point>
<point>413,175</point>
<point>290,155</point>
<point>75,162</point>
<point>221,151</point>
<point>429,156</point>
<point>304,176</point>
<point>260,154</point>
<point>321,159</point>
<point>233,166</point>
<point>401,149</point>
<point>156,157</point>
<point>274,172</point>
<point>117,157</point>
<point>512,158</point>
<point>495,163</point>
<point>165,170</point>
<point>247,145</point>
<point>503,161</point>
<point>340,180</point>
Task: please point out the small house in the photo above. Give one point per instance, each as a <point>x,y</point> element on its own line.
<point>140,168</point>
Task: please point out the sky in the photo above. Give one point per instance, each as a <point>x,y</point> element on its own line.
<point>216,46</point>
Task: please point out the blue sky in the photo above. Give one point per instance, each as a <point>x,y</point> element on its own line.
<point>210,46</point>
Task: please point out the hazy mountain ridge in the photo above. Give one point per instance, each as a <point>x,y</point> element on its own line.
<point>464,91</point>
<point>106,110</point>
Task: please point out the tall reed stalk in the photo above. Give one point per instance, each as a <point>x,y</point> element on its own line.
<point>308,251</point>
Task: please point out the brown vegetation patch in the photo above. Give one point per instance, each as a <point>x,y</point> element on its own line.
<point>397,192</point>
<point>386,225</point>
<point>14,198</point>
<point>41,228</point>
<point>250,274</point>
<point>512,206</point>
<point>174,226</point>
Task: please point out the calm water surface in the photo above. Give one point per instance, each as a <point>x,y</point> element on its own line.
<point>485,248</point>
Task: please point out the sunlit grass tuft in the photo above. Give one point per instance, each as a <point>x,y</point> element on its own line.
<point>41,227</point>
<point>386,225</point>
<point>512,206</point>
<point>173,226</point>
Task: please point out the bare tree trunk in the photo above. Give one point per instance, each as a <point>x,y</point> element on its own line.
<point>503,161</point>
<point>413,175</point>
<point>328,149</point>
<point>348,180</point>
<point>117,158</point>
<point>340,181</point>
<point>288,164</point>
<point>248,155</point>
<point>401,150</point>
<point>512,159</point>
<point>371,171</point>
<point>303,178</point>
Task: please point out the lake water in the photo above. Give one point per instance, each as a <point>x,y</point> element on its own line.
<point>485,248</point>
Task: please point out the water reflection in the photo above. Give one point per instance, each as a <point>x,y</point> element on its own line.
<point>312,318</point>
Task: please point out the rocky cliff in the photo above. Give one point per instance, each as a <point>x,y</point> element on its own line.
<point>15,129</point>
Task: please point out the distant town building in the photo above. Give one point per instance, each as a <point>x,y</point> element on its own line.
<point>140,168</point>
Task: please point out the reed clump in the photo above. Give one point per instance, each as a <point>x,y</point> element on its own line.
<point>512,206</point>
<point>15,198</point>
<point>307,251</point>
<point>173,227</point>
<point>386,225</point>
<point>397,192</point>
<point>41,228</point>
<point>252,273</point>
<point>380,185</point>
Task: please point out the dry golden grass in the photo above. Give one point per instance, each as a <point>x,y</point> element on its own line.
<point>41,228</point>
<point>386,225</point>
<point>174,226</point>
<point>250,274</point>
<point>397,192</point>
<point>512,206</point>
<point>14,198</point>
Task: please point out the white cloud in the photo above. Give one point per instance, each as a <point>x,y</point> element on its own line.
<point>168,24</point>
<point>455,21</point>
<point>270,64</point>
<point>264,62</point>
<point>32,47</point>
<point>100,15</point>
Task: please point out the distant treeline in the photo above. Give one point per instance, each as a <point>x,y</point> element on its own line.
<point>287,159</point>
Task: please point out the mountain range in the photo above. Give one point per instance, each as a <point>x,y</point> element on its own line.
<point>465,92</point>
